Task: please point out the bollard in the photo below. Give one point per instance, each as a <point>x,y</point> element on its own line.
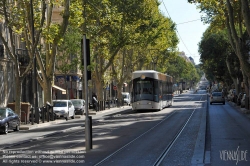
<point>101,105</point>
<point>90,125</point>
<point>43,113</point>
<point>104,105</point>
<point>47,113</point>
<point>52,113</point>
<point>32,116</point>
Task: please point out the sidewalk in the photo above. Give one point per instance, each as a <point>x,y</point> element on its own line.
<point>91,112</point>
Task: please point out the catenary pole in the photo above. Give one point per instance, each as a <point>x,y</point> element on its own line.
<point>87,121</point>
<point>85,82</point>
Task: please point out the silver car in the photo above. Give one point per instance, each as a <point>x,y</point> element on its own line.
<point>217,97</point>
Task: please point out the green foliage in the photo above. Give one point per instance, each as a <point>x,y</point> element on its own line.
<point>69,52</point>
<point>214,48</point>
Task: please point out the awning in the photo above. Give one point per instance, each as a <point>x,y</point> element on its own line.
<point>59,88</point>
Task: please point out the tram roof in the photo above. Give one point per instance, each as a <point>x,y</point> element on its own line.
<point>151,74</point>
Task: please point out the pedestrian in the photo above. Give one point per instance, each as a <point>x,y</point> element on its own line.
<point>95,101</point>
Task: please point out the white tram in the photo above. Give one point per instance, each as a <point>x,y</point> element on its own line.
<point>151,90</point>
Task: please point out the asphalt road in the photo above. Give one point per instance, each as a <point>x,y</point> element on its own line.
<point>229,134</point>
<point>139,138</point>
<point>150,133</point>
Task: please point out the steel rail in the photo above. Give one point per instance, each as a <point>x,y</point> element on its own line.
<point>120,149</point>
<point>168,148</point>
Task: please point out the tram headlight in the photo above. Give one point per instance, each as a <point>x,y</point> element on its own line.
<point>149,103</point>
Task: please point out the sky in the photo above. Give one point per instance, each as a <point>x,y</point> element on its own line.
<point>189,26</point>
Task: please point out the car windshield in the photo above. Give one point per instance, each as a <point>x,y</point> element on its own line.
<point>2,112</point>
<point>76,102</point>
<point>217,94</point>
<point>60,104</point>
<point>125,96</point>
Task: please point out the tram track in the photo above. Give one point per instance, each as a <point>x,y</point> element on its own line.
<point>165,151</point>
<point>139,117</point>
<point>168,148</point>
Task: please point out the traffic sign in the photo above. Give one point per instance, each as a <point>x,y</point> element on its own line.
<point>115,87</point>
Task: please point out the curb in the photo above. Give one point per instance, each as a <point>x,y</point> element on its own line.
<point>199,150</point>
<point>29,126</point>
<point>91,112</point>
<point>55,132</point>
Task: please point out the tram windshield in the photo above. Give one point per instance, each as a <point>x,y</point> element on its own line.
<point>146,89</point>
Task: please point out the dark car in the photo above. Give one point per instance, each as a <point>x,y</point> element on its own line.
<point>8,120</point>
<point>79,106</point>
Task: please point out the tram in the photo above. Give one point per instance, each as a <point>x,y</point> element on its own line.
<point>151,90</point>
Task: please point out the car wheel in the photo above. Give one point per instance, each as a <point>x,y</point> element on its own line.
<point>73,117</point>
<point>67,117</point>
<point>210,103</point>
<point>17,127</point>
<point>223,103</point>
<point>6,128</point>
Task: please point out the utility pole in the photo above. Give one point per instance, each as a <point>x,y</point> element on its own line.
<point>88,126</point>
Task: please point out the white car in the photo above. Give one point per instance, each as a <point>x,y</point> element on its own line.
<point>64,108</point>
<point>126,98</point>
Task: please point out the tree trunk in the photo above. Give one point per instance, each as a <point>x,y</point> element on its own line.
<point>246,84</point>
<point>246,14</point>
<point>236,41</point>
<point>47,87</point>
<point>99,90</point>
<point>18,95</point>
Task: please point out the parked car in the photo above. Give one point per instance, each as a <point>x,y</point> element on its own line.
<point>79,105</point>
<point>217,97</point>
<point>64,108</point>
<point>238,102</point>
<point>126,98</point>
<point>8,120</point>
<point>242,102</point>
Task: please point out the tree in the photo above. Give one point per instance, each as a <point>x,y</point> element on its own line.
<point>217,57</point>
<point>230,14</point>
<point>69,57</point>
<point>52,35</point>
<point>116,25</point>
<point>19,24</point>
